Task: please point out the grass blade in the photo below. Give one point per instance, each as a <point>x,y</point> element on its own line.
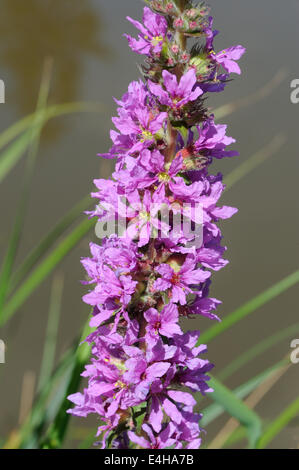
<point>21,211</point>
<point>27,436</point>
<point>44,269</point>
<point>256,350</point>
<point>49,113</point>
<point>11,156</point>
<point>47,242</point>
<point>13,153</point>
<point>236,408</point>
<point>215,410</point>
<point>250,307</point>
<point>57,431</point>
<point>279,424</point>
<point>255,397</point>
<point>51,332</point>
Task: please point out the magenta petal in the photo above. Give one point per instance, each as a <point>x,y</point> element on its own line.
<point>156,415</point>
<point>76,398</point>
<point>172,411</point>
<point>158,91</point>
<point>170,82</point>
<point>161,285</point>
<point>170,313</point>
<point>138,440</point>
<point>137,25</point>
<point>178,295</point>
<point>170,329</point>
<point>104,315</point>
<point>151,315</point>
<point>100,388</point>
<point>195,444</point>
<point>195,277</point>
<point>182,397</point>
<point>157,370</point>
<point>165,271</point>
<point>187,82</point>
<point>224,212</point>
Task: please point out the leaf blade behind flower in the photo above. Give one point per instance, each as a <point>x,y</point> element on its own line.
<point>44,269</point>
<point>250,307</point>
<point>236,408</point>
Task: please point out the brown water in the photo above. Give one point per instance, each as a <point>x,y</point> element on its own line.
<point>92,62</point>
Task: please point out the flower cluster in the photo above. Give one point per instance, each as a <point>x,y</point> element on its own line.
<point>155,266</point>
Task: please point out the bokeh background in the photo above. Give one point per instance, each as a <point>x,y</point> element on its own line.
<point>92,62</point>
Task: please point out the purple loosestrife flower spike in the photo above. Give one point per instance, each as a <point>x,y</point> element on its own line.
<point>149,271</point>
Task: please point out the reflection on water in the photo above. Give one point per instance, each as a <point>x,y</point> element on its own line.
<point>30,30</point>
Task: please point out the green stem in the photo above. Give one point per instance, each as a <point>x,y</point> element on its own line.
<point>181,39</point>
<point>171,140</point>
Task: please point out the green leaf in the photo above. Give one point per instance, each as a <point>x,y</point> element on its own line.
<point>48,356</point>
<point>279,424</point>
<point>46,243</point>
<point>57,431</point>
<point>10,157</point>
<point>53,394</point>
<point>139,413</point>
<point>249,307</point>
<point>11,252</point>
<point>215,410</point>
<point>236,408</point>
<point>33,141</point>
<point>256,350</point>
<point>50,112</point>
<point>44,269</point>
<point>28,434</point>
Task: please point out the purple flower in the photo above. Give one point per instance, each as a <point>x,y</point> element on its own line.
<point>140,124</point>
<point>161,441</point>
<point>85,404</point>
<point>164,323</point>
<point>144,216</point>
<point>149,170</point>
<point>136,96</point>
<point>169,401</point>
<point>174,94</point>
<point>188,430</point>
<point>155,271</point>
<point>210,34</point>
<point>111,286</point>
<point>196,379</point>
<point>228,57</point>
<point>204,307</point>
<point>210,256</point>
<point>152,36</point>
<point>213,140</point>
<point>142,374</point>
<point>186,192</point>
<point>209,201</point>
<point>115,253</point>
<point>178,281</point>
